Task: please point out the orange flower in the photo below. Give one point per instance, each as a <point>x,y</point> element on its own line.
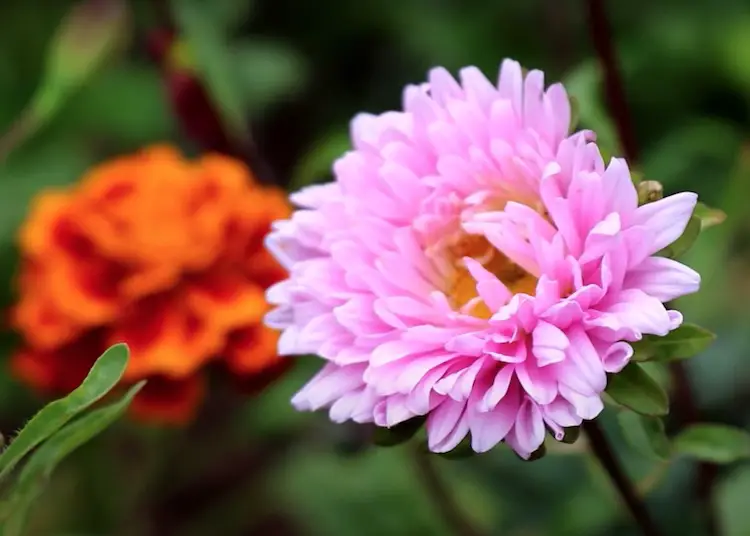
<point>162,253</point>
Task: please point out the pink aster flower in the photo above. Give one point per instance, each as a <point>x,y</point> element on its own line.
<point>474,263</point>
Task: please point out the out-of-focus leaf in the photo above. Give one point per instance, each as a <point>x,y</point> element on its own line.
<point>379,480</point>
<point>708,216</point>
<point>395,435</point>
<point>87,36</point>
<point>42,463</point>
<point>125,103</point>
<point>633,388</point>
<point>103,376</point>
<point>583,83</point>
<point>682,343</point>
<point>318,161</point>
<point>268,72</point>
<point>575,113</point>
<point>228,14</point>
<point>699,148</point>
<point>213,61</point>
<point>731,500</point>
<point>645,434</point>
<point>734,46</point>
<point>33,167</point>
<point>680,246</point>
<point>716,443</point>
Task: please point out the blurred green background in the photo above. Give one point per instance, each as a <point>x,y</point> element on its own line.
<point>296,72</point>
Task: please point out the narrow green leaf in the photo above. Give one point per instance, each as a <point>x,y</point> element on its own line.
<point>708,216</point>
<point>42,463</point>
<point>213,61</point>
<point>686,341</point>
<point>633,388</point>
<point>396,435</point>
<point>103,376</point>
<point>716,443</point>
<point>680,246</point>
<point>645,434</point>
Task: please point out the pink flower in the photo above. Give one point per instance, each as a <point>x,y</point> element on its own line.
<point>474,263</point>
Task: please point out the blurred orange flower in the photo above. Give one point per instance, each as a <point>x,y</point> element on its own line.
<point>157,251</point>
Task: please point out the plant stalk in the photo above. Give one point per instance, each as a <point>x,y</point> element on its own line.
<point>603,452</point>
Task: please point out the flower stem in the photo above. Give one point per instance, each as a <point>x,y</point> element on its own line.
<point>601,35</point>
<point>602,450</point>
<point>437,491</point>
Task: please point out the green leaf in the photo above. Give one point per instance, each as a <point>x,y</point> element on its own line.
<point>575,113</point>
<point>633,388</point>
<point>398,434</point>
<point>42,463</point>
<point>684,342</point>
<point>584,84</point>
<point>213,61</point>
<point>103,376</point>
<point>715,443</point>
<point>645,434</point>
<point>708,216</point>
<point>731,501</point>
<point>267,73</point>
<point>228,14</point>
<point>317,163</point>
<point>680,246</point>
<point>89,35</point>
<point>142,114</point>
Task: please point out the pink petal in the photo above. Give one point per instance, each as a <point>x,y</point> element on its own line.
<point>664,279</point>
<point>666,217</point>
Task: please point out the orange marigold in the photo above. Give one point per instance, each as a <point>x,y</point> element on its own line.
<point>157,251</point>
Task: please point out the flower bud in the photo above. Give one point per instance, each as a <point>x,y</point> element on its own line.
<point>649,191</point>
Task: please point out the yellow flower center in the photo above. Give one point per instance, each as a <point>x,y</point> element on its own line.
<point>462,287</point>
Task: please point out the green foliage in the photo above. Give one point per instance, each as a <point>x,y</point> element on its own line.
<point>684,342</point>
<point>708,216</point>
<point>316,165</point>
<point>731,501</point>
<point>243,77</point>
<point>86,38</point>
<point>715,443</point>
<point>645,434</point>
<point>268,72</point>
<point>104,375</point>
<point>681,246</point>
<point>211,53</point>
<point>633,388</point>
<point>42,462</point>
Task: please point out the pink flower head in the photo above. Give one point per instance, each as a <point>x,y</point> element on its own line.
<point>474,263</point>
